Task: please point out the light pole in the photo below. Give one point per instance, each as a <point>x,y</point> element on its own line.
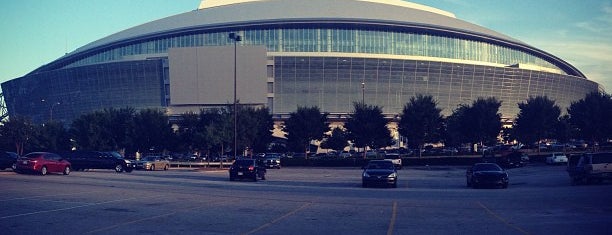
<point>51,109</point>
<point>236,38</point>
<point>363,92</point>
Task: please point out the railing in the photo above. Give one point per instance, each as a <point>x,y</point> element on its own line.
<point>200,164</point>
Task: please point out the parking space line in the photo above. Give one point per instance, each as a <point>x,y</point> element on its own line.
<point>74,207</point>
<point>155,217</point>
<point>393,217</point>
<point>278,219</point>
<point>52,195</point>
<point>502,219</point>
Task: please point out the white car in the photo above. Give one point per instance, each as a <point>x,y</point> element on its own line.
<point>395,159</point>
<point>556,158</point>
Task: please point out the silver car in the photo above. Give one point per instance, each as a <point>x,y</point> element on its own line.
<point>153,162</point>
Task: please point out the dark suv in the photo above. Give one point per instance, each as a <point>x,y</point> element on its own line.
<point>8,160</point>
<point>247,169</point>
<point>82,160</point>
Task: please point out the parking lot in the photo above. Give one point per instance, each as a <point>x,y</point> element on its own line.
<point>428,200</point>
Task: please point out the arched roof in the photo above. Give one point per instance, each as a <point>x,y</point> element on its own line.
<point>240,13</point>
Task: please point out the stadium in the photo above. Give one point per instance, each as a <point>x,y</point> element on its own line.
<point>293,53</point>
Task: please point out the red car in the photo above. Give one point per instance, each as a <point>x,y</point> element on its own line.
<point>42,163</point>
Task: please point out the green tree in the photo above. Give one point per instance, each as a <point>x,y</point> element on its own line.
<point>264,127</point>
<point>152,130</point>
<point>367,127</point>
<point>336,140</point>
<point>188,130</point>
<point>254,128</point>
<point>421,121</point>
<point>537,119</point>
<point>217,132</point>
<point>479,122</point>
<point>457,127</point>
<point>51,136</point>
<point>592,116</point>
<point>18,131</point>
<point>120,122</point>
<point>305,125</point>
<point>91,132</point>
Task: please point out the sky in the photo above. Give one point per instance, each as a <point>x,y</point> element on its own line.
<point>36,32</point>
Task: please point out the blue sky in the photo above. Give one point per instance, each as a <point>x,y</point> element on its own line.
<point>36,32</point>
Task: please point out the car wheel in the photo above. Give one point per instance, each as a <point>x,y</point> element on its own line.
<point>166,167</point>
<point>255,178</point>
<point>67,170</point>
<point>152,168</point>
<point>128,170</point>
<point>43,170</point>
<point>395,184</point>
<point>505,185</point>
<point>263,176</point>
<point>14,166</point>
<point>119,168</point>
<point>232,178</point>
<point>364,185</point>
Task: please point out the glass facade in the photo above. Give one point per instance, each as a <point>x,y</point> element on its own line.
<point>334,83</point>
<point>125,76</point>
<point>137,84</point>
<point>368,41</point>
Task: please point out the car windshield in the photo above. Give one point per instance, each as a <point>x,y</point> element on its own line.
<point>380,165</point>
<point>487,167</point>
<point>148,159</point>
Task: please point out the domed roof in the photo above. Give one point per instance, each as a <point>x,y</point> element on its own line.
<point>218,14</point>
<point>215,13</point>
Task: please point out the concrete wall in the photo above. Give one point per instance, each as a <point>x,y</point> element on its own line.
<point>205,75</point>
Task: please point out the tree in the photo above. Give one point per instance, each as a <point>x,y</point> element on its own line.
<point>336,140</point>
<point>51,136</point>
<point>592,116</point>
<point>217,132</point>
<point>17,130</point>
<point>479,122</point>
<point>485,120</point>
<point>305,125</point>
<point>121,124</point>
<point>152,130</point>
<point>92,132</point>
<point>367,127</point>
<point>421,121</point>
<point>457,127</point>
<point>254,128</point>
<point>264,128</point>
<point>537,119</point>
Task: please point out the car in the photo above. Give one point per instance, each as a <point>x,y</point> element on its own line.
<point>272,161</point>
<point>512,159</point>
<point>82,160</point>
<point>8,160</point>
<point>153,162</point>
<point>395,159</point>
<point>486,174</point>
<point>556,158</point>
<point>590,167</point>
<point>42,163</point>
<point>379,172</point>
<point>247,169</point>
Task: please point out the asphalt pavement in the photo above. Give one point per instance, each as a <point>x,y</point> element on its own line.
<point>428,200</point>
